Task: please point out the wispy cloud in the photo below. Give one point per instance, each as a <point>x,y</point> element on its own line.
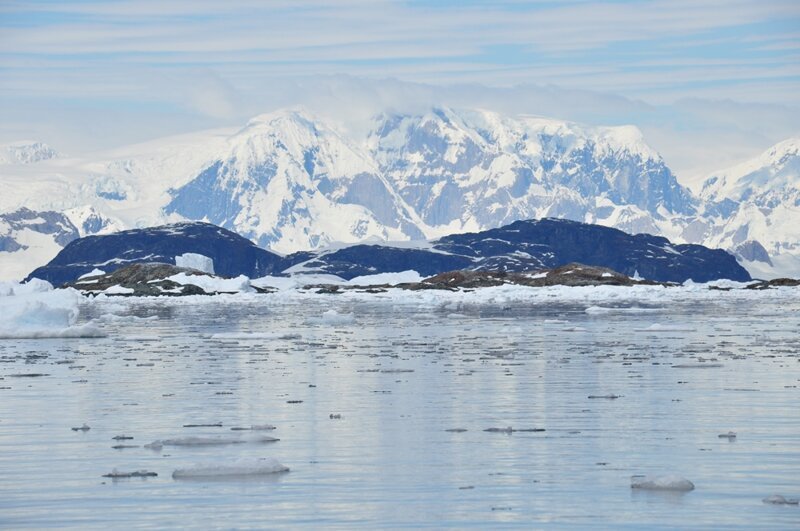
<point>206,62</point>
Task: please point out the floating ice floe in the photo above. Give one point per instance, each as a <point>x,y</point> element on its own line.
<point>332,317</point>
<point>254,427</point>
<point>253,335</point>
<point>595,310</point>
<point>609,397</point>
<point>206,441</point>
<point>656,327</point>
<point>777,499</point>
<point>249,468</point>
<point>509,429</point>
<point>115,474</point>
<point>697,366</point>
<point>668,483</point>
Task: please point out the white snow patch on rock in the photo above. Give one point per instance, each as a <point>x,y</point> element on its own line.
<point>240,284</point>
<point>118,290</point>
<point>93,273</point>
<point>387,278</point>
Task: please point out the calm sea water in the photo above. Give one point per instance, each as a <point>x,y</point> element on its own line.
<point>401,376</point>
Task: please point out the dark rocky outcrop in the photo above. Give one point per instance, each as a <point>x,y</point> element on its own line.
<point>144,279</point>
<point>536,245</point>
<point>569,275</point>
<point>775,283</point>
<point>520,247</point>
<point>147,279</point>
<point>233,255</point>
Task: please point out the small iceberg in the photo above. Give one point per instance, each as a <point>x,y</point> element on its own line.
<point>669,482</point>
<point>239,469</point>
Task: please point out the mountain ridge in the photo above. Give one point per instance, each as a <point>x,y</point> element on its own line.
<point>290,181</point>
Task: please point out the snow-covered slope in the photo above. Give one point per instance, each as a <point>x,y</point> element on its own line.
<point>473,170</point>
<point>28,237</point>
<point>26,152</point>
<point>758,200</point>
<point>291,181</point>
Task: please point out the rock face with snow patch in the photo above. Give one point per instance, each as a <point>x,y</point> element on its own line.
<point>232,254</point>
<point>519,247</point>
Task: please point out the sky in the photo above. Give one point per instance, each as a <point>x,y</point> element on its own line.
<point>709,82</point>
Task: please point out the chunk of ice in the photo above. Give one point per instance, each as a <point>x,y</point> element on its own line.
<point>242,468</point>
<point>253,335</point>
<point>115,474</point>
<point>35,310</point>
<point>206,441</point>
<point>669,482</point>
<point>777,499</point>
<point>332,317</point>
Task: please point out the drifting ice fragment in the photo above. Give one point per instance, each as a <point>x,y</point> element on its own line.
<point>238,469</point>
<point>777,499</point>
<point>509,429</point>
<point>657,327</point>
<point>332,317</point>
<point>670,482</point>
<point>137,474</point>
<point>610,397</point>
<point>206,441</point>
<point>254,427</point>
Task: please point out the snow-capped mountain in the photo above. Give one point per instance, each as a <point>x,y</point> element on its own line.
<point>757,201</point>
<point>288,182</point>
<point>474,170</point>
<point>291,181</point>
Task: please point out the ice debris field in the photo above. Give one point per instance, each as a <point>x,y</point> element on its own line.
<point>499,406</point>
